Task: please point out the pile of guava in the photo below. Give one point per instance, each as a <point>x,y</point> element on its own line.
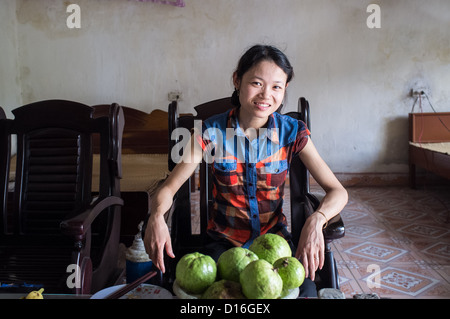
<point>266,270</point>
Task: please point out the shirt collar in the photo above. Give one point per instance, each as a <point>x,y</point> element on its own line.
<point>271,132</point>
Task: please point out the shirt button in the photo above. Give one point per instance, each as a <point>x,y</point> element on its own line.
<point>255,216</point>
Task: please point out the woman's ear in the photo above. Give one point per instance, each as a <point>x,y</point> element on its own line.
<point>236,81</point>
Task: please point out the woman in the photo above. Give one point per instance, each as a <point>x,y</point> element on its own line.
<point>249,169</point>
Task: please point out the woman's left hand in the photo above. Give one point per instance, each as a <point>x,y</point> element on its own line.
<point>310,248</point>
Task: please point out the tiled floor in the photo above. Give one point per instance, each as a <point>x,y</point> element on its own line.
<point>397,242</point>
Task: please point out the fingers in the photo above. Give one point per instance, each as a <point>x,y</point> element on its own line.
<point>157,255</point>
<point>321,258</point>
<point>302,256</point>
<point>156,241</point>
<point>312,267</point>
<point>306,264</point>
<point>316,262</point>
<point>160,260</point>
<point>311,260</point>
<point>152,252</point>
<point>311,264</point>
<point>169,250</point>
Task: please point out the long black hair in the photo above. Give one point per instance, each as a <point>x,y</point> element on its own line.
<point>256,54</point>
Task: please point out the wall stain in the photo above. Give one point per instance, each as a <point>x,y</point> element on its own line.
<point>49,17</point>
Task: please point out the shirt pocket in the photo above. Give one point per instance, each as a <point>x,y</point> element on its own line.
<point>225,173</point>
<point>274,173</point>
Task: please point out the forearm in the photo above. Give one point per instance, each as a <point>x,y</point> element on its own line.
<point>331,205</point>
<point>161,202</point>
<point>336,196</point>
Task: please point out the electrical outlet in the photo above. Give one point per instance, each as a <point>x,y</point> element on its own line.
<point>175,96</point>
<point>414,93</point>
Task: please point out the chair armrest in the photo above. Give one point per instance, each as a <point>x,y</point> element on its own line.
<point>116,126</point>
<point>78,225</point>
<point>335,228</point>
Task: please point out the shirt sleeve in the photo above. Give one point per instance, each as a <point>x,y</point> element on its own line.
<point>202,139</point>
<point>302,137</point>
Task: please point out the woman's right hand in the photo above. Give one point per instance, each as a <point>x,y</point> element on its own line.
<point>157,239</point>
<point>157,235</point>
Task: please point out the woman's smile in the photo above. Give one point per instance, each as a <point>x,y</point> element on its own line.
<point>262,105</point>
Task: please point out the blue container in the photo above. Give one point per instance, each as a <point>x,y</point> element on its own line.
<point>136,270</point>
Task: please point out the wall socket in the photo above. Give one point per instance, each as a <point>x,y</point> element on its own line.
<point>414,93</point>
<point>174,96</point>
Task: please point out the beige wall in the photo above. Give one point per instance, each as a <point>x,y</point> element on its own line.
<point>9,73</point>
<point>357,79</point>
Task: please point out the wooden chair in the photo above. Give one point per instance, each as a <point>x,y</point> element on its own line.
<point>144,135</point>
<point>50,224</point>
<point>302,201</point>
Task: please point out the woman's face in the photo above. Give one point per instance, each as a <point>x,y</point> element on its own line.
<point>261,90</point>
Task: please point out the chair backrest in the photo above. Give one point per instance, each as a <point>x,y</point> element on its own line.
<point>140,128</point>
<point>300,198</point>
<point>299,181</point>
<point>53,173</point>
<point>211,108</point>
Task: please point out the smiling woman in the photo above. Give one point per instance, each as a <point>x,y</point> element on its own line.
<point>249,190</point>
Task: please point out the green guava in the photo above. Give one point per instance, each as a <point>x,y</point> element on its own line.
<point>224,289</point>
<point>291,272</point>
<point>195,272</point>
<point>259,280</point>
<point>270,247</point>
<point>233,261</point>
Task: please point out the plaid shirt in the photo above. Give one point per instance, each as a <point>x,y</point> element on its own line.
<point>249,176</point>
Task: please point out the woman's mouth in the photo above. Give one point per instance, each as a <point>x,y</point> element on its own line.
<point>262,106</point>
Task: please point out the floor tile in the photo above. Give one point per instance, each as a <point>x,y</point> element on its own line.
<point>375,251</point>
<point>401,281</point>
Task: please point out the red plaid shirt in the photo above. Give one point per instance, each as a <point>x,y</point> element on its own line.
<point>249,176</point>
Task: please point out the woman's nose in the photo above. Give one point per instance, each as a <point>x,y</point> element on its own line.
<point>264,91</point>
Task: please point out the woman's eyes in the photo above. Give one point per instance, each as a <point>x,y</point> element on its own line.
<point>275,87</point>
